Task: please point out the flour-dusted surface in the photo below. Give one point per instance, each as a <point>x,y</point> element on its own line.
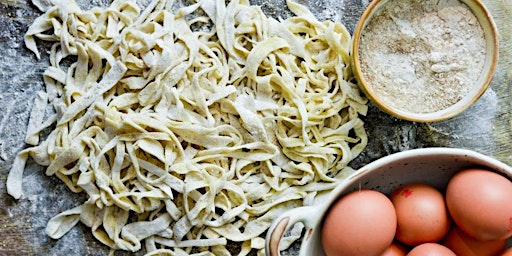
<point>422,56</point>
<point>484,127</point>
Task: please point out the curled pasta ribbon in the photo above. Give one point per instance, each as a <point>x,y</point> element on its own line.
<point>191,127</point>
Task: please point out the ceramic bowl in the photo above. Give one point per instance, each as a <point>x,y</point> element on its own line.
<point>432,166</point>
<point>479,87</point>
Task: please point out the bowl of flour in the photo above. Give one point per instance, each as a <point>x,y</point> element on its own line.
<point>425,60</point>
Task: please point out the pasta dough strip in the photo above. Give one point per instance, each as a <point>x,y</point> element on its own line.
<point>190,127</point>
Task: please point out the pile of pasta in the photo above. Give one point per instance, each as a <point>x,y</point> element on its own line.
<point>190,126</point>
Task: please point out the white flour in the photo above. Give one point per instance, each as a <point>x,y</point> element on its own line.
<point>422,56</point>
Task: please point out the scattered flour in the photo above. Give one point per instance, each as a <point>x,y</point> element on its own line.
<point>422,56</point>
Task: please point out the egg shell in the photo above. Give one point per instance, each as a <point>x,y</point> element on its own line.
<point>422,215</point>
<point>480,203</point>
<point>464,244</point>
<point>431,249</point>
<point>395,250</point>
<point>361,223</point>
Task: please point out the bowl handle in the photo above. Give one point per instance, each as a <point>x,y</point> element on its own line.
<point>308,215</point>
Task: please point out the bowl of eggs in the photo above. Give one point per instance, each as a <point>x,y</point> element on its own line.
<point>428,201</point>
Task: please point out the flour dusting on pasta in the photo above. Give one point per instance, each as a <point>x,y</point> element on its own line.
<point>191,126</point>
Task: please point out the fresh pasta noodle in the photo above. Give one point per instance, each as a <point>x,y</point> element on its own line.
<point>191,126</point>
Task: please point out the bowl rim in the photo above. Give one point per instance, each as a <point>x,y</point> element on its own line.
<point>376,165</point>
<point>492,44</point>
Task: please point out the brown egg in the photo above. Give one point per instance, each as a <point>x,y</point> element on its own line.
<point>431,249</point>
<point>480,203</point>
<point>395,250</point>
<point>507,252</point>
<point>360,223</point>
<point>421,213</point>
<point>464,244</point>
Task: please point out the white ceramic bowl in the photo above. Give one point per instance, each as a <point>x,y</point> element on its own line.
<point>480,86</point>
<point>432,166</point>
